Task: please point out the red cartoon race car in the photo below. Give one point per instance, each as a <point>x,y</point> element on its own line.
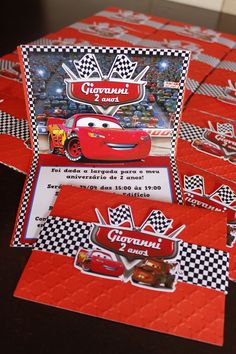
<point>207,147</point>
<point>98,262</point>
<point>96,137</point>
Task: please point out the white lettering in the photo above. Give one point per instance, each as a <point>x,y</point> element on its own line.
<point>88,88</point>
<point>117,236</point>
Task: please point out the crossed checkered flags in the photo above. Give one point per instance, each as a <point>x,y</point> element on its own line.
<point>120,215</point>
<point>87,66</point>
<point>123,67</point>
<point>225,128</point>
<point>158,221</point>
<point>194,183</point>
<point>225,194</point>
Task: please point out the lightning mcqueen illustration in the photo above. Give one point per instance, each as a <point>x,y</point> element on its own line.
<point>98,262</point>
<point>96,137</point>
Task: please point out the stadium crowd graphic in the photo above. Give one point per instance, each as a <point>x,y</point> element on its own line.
<point>156,110</point>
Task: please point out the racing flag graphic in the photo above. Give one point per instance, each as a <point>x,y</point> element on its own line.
<point>87,66</point>
<point>123,67</point>
<point>225,194</point>
<point>225,128</point>
<point>121,214</point>
<point>157,220</point>
<point>193,183</point>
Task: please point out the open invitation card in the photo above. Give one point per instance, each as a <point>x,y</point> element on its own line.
<point>101,118</point>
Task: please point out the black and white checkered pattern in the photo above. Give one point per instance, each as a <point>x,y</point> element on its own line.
<point>130,17</point>
<point>176,179</point>
<point>158,221</point>
<point>208,59</point>
<point>64,236</point>
<point>227,65</point>
<point>227,42</point>
<point>219,37</point>
<point>86,66</point>
<point>193,183</point>
<point>211,90</point>
<point>123,67</point>
<point>190,132</point>
<point>225,194</point>
<point>225,128</point>
<point>42,41</point>
<point>179,105</point>
<point>199,265</point>
<point>110,50</point>
<point>7,64</point>
<point>27,49</point>
<point>119,215</point>
<point>13,126</point>
<point>30,178</point>
<point>203,266</point>
<point>192,85</point>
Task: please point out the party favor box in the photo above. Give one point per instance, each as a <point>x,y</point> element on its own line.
<point>141,262</point>
<point>204,56</point>
<point>217,94</point>
<point>206,160</point>
<point>206,190</point>
<point>222,41</point>
<point>133,20</point>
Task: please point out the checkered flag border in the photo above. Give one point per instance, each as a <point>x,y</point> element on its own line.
<point>190,132</point>
<point>13,126</point>
<point>203,266</point>
<point>158,221</point>
<point>64,236</point>
<point>86,66</point>
<point>176,179</point>
<point>198,265</point>
<point>120,215</point>
<point>226,195</point>
<point>191,183</point>
<point>123,67</point>
<point>26,50</point>
<point>35,147</point>
<point>225,128</point>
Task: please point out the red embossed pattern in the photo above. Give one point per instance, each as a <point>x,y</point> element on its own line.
<point>191,311</point>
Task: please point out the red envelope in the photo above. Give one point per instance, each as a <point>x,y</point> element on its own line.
<point>55,275</point>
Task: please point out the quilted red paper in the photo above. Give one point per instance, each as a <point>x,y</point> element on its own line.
<point>191,311</point>
<point>217,94</point>
<point>211,184</point>
<point>192,120</point>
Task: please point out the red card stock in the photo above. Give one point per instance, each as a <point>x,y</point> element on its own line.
<point>86,271</point>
